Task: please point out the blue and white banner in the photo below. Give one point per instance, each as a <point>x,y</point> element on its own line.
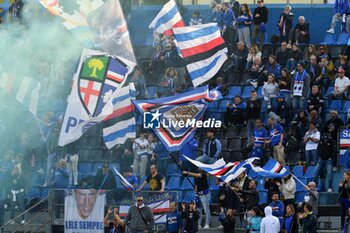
<point>84,211</point>
<point>344,140</point>
<point>271,169</point>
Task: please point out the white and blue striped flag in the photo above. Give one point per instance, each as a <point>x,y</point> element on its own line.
<point>28,94</point>
<point>272,169</point>
<point>203,49</point>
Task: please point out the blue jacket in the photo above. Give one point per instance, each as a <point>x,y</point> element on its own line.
<point>280,209</point>
<point>242,19</point>
<point>217,17</point>
<point>254,225</point>
<point>229,18</point>
<point>189,149</point>
<point>173,222</point>
<point>61,178</point>
<point>341,7</point>
<point>274,70</point>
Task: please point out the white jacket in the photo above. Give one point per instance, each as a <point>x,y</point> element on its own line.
<point>288,188</point>
<point>269,224</point>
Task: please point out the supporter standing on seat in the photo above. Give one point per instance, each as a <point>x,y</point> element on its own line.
<point>290,221</point>
<point>311,140</point>
<point>344,196</point>
<point>341,86</point>
<point>277,207</point>
<point>327,151</point>
<point>252,114</point>
<point>342,12</point>
<point>300,87</point>
<point>229,27</point>
<point>173,220</point>
<point>270,223</point>
<point>288,189</point>
<point>211,148</point>
<point>140,150</point>
<point>276,140</point>
<point>311,197</point>
<point>308,220</point>
<point>244,21</point>
<point>202,189</point>
<point>285,23</point>
<point>260,18</point>
<point>259,137</point>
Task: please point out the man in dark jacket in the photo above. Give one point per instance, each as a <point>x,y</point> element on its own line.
<point>282,54</point>
<point>252,113</point>
<point>260,18</point>
<point>140,217</point>
<point>106,180</point>
<point>327,153</point>
<point>314,71</point>
<point>251,196</point>
<point>301,32</point>
<point>308,220</point>
<point>315,100</point>
<point>240,57</point>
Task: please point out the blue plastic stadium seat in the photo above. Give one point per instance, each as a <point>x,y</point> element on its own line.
<point>300,196</point>
<point>186,184</point>
<point>346,107</point>
<point>309,174</point>
<point>212,106</point>
<point>246,92</point>
<point>233,91</point>
<point>84,168</point>
<point>329,90</point>
<point>222,106</point>
<point>329,39</point>
<point>337,177</point>
<point>173,169</point>
<point>259,92</point>
<point>174,183</point>
<point>343,39</point>
<point>33,193</point>
<point>189,196</point>
<point>152,90</point>
<point>262,197</point>
<point>300,187</point>
<point>96,168</point>
<point>215,115</point>
<point>335,105</point>
<point>298,171</point>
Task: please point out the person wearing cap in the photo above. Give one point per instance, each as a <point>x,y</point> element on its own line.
<point>327,70</point>
<point>311,140</point>
<point>260,18</point>
<point>211,148</point>
<point>340,87</point>
<point>327,153</point>
<point>300,87</point>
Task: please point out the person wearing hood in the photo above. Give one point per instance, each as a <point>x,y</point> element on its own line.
<point>270,223</point>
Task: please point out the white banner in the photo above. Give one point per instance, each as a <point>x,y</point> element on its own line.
<point>84,211</point>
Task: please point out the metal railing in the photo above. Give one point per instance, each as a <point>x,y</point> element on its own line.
<point>24,214</point>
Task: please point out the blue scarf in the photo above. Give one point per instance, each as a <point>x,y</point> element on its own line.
<point>299,83</point>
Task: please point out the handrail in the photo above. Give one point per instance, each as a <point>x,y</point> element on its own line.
<point>8,223</point>
<point>31,220</point>
<point>44,224</point>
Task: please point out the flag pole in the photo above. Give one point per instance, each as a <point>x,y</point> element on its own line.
<point>232,189</point>
<point>177,164</point>
<point>298,179</point>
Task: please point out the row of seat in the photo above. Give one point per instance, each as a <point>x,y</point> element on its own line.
<point>331,39</point>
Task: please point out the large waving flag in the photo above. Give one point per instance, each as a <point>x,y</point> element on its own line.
<point>125,182</point>
<point>203,49</point>
<point>171,118</point>
<point>26,90</point>
<point>95,83</point>
<point>271,169</point>
<point>212,169</point>
<point>121,124</point>
<point>169,17</point>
